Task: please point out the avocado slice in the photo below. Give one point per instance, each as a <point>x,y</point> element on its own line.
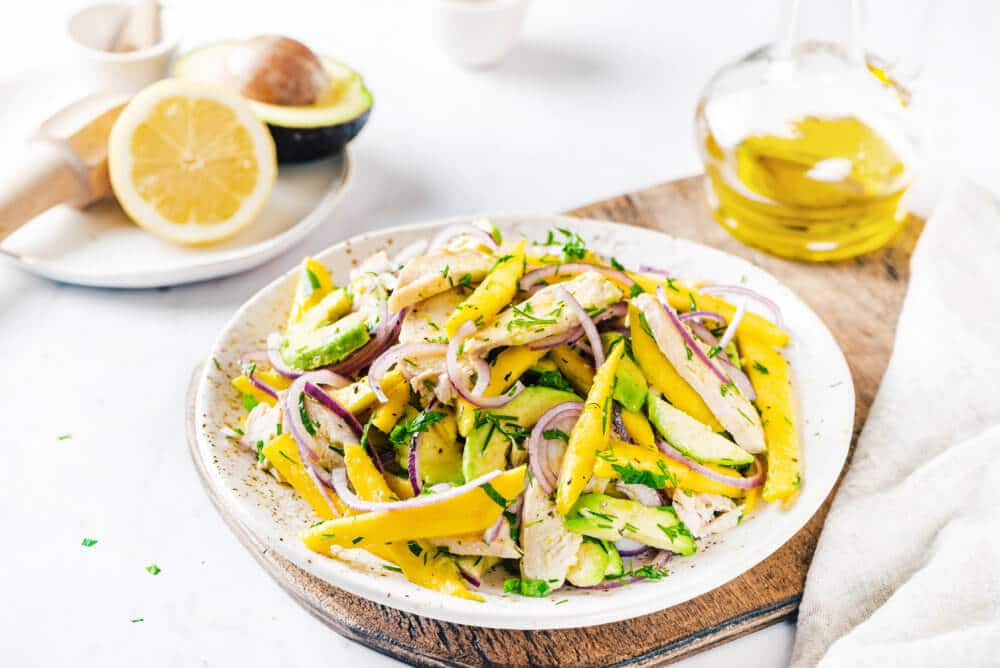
<point>596,561</point>
<point>439,453</point>
<point>630,383</point>
<point>476,566</point>
<point>300,133</point>
<point>607,518</point>
<point>310,349</point>
<point>487,444</point>
<point>692,438</point>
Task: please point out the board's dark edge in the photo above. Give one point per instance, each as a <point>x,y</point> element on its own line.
<point>751,621</point>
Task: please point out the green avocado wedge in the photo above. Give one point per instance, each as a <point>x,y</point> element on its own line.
<point>311,349</point>
<point>692,438</point>
<point>607,518</point>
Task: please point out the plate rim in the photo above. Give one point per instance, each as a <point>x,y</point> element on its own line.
<point>459,611</point>
<point>224,264</point>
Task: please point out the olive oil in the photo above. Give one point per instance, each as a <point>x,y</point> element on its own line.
<point>824,188</point>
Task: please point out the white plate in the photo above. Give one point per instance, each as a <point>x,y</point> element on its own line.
<point>275,515</point>
<point>100,247</point>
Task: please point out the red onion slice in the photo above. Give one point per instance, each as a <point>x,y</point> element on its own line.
<point>262,386</point>
<point>274,357</point>
<point>738,482</point>
<point>730,332</point>
<point>292,418</point>
<point>586,322</point>
<point>688,339</point>
<point>442,238</point>
<point>393,356</point>
<point>385,333</point>
<point>647,269</point>
<point>537,445</point>
<point>412,460</point>
<point>700,315</point>
<point>469,577</point>
<point>769,304</point>
<point>330,403</point>
<point>457,377</point>
<point>630,548</point>
<point>339,480</point>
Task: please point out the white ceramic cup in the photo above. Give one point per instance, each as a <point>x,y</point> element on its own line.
<point>92,30</point>
<point>478,33</point>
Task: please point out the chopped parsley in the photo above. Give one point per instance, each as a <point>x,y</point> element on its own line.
<point>687,349</point>
<point>500,261</point>
<point>798,480</point>
<point>153,569</point>
<point>357,539</point>
<point>635,291</point>
<point>553,434</point>
<point>725,388</point>
<point>444,272</point>
<point>574,247</point>
<point>216,363</point>
<point>304,414</point>
<point>633,476</point>
<point>644,324</point>
<point>64,437</point>
<point>760,367</point>
<point>404,432</point>
<point>676,531</point>
<point>249,369</point>
<point>649,571</point>
<point>713,351</point>
<point>415,548</point>
<point>552,379</point>
<point>394,569</point>
<point>136,620</point>
<point>494,495</point>
<point>694,304</point>
<point>466,281</point>
<point>505,424</point>
<point>670,284</point>
<point>526,319</point>
<point>89,542</point>
<point>249,402</point>
<point>260,451</point>
<point>527,587</point>
<point>617,265</point>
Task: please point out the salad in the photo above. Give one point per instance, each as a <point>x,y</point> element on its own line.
<point>527,407</point>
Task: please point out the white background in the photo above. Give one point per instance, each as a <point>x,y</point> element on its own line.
<point>597,100</point>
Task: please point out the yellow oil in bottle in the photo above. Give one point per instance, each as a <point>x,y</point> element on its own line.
<point>824,188</point>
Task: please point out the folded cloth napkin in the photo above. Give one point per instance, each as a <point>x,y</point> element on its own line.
<point>907,569</point>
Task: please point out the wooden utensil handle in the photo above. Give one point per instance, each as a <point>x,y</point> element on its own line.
<point>44,177</point>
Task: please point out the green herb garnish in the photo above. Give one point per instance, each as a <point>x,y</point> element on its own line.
<point>249,402</point>
<point>527,587</point>
<point>153,569</point>
<point>89,542</point>
<point>494,495</point>
<point>553,434</point>
<point>404,432</point>
<point>760,367</point>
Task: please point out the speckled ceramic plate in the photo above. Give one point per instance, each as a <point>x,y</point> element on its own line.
<point>274,514</point>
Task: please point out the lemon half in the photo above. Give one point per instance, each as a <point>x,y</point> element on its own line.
<point>190,161</point>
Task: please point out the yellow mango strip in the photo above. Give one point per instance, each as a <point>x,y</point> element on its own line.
<point>284,456</point>
<point>578,371</point>
<point>272,379</point>
<point>639,429</point>
<point>314,284</point>
<point>495,292</point>
<point>385,417</point>
<point>437,572</point>
<point>244,386</point>
<point>475,510</point>
<point>359,397</point>
<point>640,458</point>
<point>590,433</point>
<point>508,367</point>
<point>750,501</point>
<point>768,373</point>
<point>679,296</point>
<point>399,485</point>
<point>662,375</point>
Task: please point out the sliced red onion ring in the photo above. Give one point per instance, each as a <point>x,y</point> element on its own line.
<point>738,482</point>
<point>469,577</point>
<point>647,269</point>
<point>457,377</point>
<point>339,480</point>
<point>447,234</point>
<point>730,332</point>
<point>586,322</point>
<point>292,418</point>
<point>322,485</point>
<point>769,304</point>
<point>700,315</point>
<point>273,353</point>
<point>532,278</point>
<point>412,460</point>
<point>647,496</point>
<point>385,333</point>
<point>393,356</point>
<point>630,548</point>
<point>537,445</point>
<point>688,339</point>
<point>262,386</point>
<point>329,402</point>
<point>574,334</point>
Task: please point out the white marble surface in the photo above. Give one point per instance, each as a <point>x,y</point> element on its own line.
<point>597,100</point>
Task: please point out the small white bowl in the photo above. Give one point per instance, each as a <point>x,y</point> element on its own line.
<point>92,30</point>
<point>478,33</point>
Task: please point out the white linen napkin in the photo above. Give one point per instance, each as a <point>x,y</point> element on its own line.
<point>907,569</point>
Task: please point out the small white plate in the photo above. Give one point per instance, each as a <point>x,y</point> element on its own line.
<point>275,515</point>
<point>101,247</point>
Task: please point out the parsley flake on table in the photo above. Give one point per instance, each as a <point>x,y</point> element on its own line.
<point>64,437</point>
<point>89,542</point>
<point>153,569</point>
<point>136,620</point>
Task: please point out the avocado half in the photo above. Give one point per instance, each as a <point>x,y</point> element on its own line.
<point>301,133</point>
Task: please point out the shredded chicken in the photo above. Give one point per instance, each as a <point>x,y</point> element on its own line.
<point>706,514</point>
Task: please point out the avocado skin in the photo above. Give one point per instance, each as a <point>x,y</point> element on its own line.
<point>295,145</point>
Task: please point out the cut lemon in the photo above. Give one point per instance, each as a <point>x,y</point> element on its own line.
<point>190,161</point>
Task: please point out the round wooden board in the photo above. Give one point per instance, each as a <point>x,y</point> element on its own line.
<point>760,597</point>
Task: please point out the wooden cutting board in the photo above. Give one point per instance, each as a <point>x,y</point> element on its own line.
<point>859,300</point>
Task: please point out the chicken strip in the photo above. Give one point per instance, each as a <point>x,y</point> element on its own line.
<point>427,275</point>
<point>549,547</point>
<point>733,410</point>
